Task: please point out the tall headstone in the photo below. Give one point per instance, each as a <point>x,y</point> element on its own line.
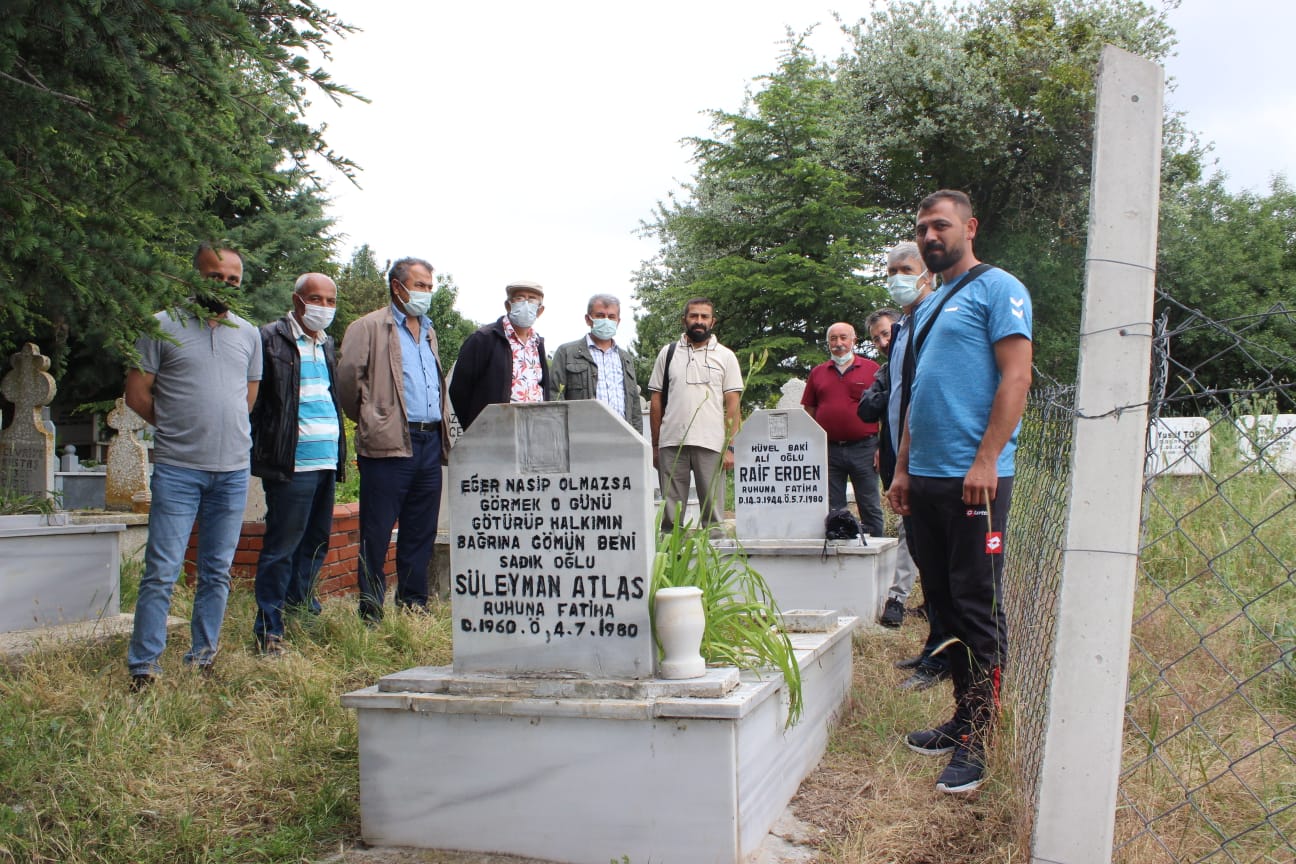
<point>127,458</point>
<point>27,457</point>
<point>551,543</point>
<point>780,476</point>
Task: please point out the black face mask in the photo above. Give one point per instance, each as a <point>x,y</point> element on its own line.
<point>699,333</point>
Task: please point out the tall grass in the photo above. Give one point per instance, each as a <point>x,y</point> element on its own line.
<point>258,764</point>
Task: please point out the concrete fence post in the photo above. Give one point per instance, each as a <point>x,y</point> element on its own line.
<point>1085,727</point>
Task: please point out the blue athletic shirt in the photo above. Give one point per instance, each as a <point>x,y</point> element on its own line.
<point>956,376</point>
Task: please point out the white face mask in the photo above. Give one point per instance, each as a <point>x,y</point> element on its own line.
<point>523,313</point>
<point>904,287</point>
<point>845,360</point>
<point>418,303</point>
<point>317,318</point>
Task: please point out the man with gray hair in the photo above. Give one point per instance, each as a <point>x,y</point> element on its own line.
<point>595,367</point>
<point>299,452</point>
<point>392,386</point>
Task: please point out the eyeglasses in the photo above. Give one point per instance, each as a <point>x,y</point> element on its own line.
<point>697,371</point>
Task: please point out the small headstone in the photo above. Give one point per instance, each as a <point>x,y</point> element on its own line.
<point>69,461</point>
<point>127,458</point>
<point>27,446</point>
<point>793,389</point>
<point>780,476</point>
<point>1268,442</point>
<point>1179,445</point>
<point>551,543</point>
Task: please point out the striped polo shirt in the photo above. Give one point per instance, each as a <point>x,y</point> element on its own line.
<point>317,420</point>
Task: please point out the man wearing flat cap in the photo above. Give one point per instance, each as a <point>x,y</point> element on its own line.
<point>503,361</point>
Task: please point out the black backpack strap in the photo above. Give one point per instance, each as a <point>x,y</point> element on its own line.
<point>916,340</point>
<point>666,368</point>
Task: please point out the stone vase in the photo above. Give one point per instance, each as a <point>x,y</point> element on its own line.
<point>679,625</point>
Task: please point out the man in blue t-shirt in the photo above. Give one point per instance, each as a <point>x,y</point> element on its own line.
<point>968,362</point>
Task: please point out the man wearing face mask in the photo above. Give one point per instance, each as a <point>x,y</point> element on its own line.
<point>596,367</point>
<point>196,388</point>
<point>832,395</point>
<point>391,384</point>
<point>503,361</point>
<point>910,285</point>
<point>298,451</point>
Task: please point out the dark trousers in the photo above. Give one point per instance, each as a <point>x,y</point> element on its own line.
<point>405,489</point>
<point>963,583</point>
<point>854,461</point>
<point>934,658</point>
<point>299,521</point>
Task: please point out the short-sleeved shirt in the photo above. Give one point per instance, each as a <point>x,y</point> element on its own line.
<point>528,375</point>
<point>200,390</point>
<point>699,379</point>
<point>835,397</point>
<point>957,375</point>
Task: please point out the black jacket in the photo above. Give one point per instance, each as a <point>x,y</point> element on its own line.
<point>873,409</point>
<point>274,416</point>
<point>483,373</point>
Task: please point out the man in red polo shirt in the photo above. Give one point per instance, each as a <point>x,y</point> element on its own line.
<point>831,397</point>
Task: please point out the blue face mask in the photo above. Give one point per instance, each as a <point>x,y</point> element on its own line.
<point>603,328</point>
<point>418,303</point>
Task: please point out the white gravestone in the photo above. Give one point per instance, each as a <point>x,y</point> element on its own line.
<point>27,447</point>
<point>1179,445</point>
<point>780,476</point>
<point>1268,442</point>
<point>792,391</point>
<point>551,543</point>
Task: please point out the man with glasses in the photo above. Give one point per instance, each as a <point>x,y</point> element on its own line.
<point>391,384</point>
<point>503,361</point>
<point>694,415</point>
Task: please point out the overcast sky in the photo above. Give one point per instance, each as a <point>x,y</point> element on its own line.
<point>519,140</point>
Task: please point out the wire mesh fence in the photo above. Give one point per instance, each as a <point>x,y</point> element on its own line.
<point>1209,764</point>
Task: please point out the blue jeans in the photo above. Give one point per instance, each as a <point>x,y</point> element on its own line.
<point>854,462</point>
<point>216,499</point>
<point>299,521</point>
<point>408,489</point>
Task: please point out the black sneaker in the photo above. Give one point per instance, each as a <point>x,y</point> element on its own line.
<point>924,677</point>
<point>965,771</point>
<point>892,613</point>
<point>909,662</point>
<point>943,739</point>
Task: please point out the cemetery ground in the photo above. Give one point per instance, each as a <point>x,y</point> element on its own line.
<point>259,763</point>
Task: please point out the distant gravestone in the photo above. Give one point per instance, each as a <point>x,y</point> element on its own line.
<point>551,543</point>
<point>1179,445</point>
<point>127,458</point>
<point>1268,442</point>
<point>793,389</point>
<point>780,476</point>
<point>27,457</point>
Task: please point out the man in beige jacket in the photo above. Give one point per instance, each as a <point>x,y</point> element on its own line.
<point>391,384</point>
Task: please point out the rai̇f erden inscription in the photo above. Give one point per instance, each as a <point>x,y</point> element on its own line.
<point>551,543</point>
<point>780,476</point>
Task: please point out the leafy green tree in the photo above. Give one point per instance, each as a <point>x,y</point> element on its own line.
<point>131,132</point>
<point>771,231</point>
<point>1228,264</point>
